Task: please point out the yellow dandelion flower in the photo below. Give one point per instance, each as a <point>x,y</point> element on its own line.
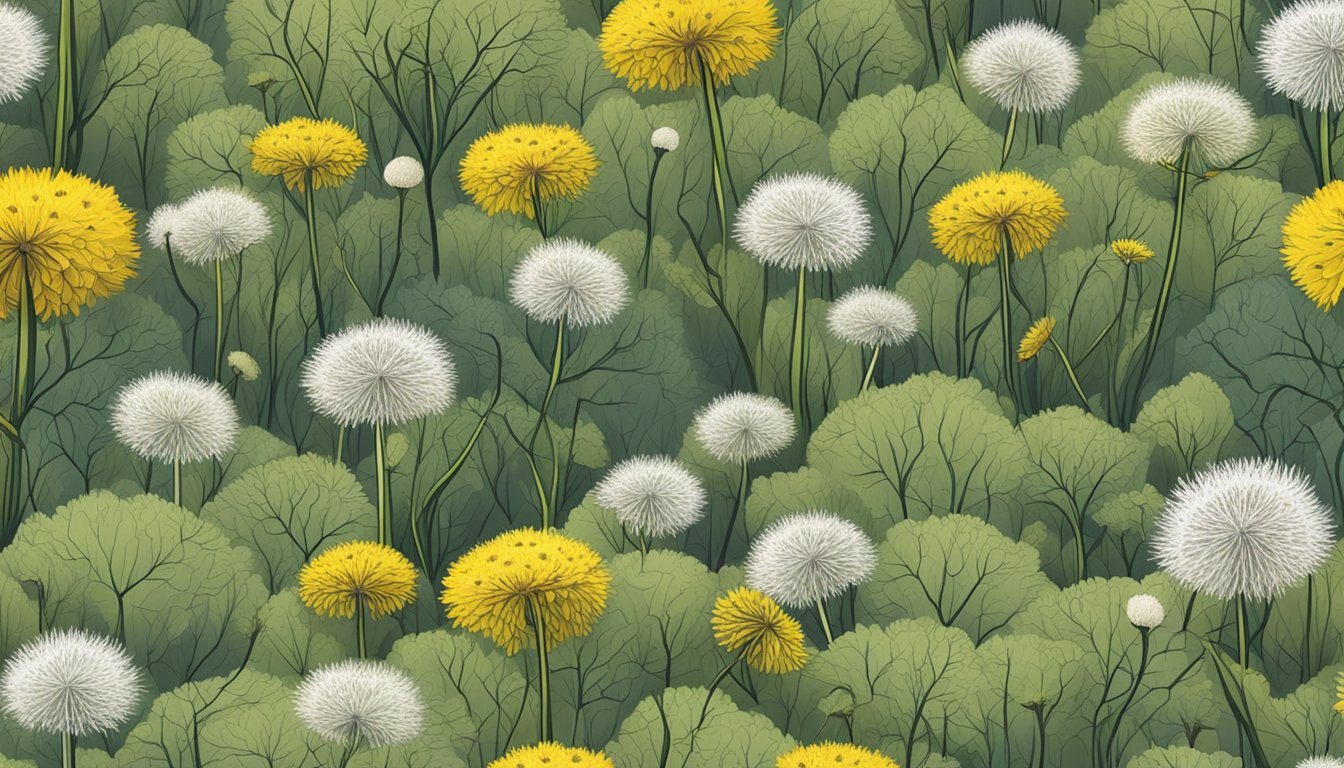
<point>970,222</point>
<point>832,755</point>
<point>494,588</point>
<point>1339,694</point>
<point>506,170</point>
<point>76,237</point>
<point>664,43</point>
<point>1313,244</point>
<point>1035,339</point>
<point>376,574</point>
<point>1131,251</point>
<point>773,639</point>
<point>301,147</point>
<point>551,755</point>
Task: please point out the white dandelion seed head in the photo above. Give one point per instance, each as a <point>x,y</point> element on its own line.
<point>804,221</point>
<point>1246,527</point>
<point>217,224</point>
<point>175,418</point>
<point>1145,611</point>
<point>404,172</point>
<point>23,54</point>
<point>743,426</point>
<point>385,372</point>
<point>872,317</point>
<point>369,701</point>
<point>1212,119</point>
<point>571,282</point>
<point>809,556</point>
<point>666,138</point>
<point>1302,54</point>
<point>70,681</point>
<point>162,226</point>
<point>1321,762</point>
<point>653,495</point>
<point>244,365</point>
<point>1023,66</point>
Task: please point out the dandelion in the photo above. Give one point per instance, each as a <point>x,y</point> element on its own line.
<point>212,226</point>
<point>1174,125</point>
<point>653,495</point>
<point>1313,250</point>
<point>770,640</point>
<point>72,683</point>
<point>869,316</point>
<point>1040,332</point>
<point>520,168</point>
<point>739,428</point>
<point>663,140</point>
<point>1302,57</point>
<point>160,227</point>
<point>381,373</point>
<point>1023,67</point>
<point>309,155</point>
<point>1243,529</point>
<point>176,419</point>
<point>549,754</point>
<point>403,173</point>
<point>1131,251</point>
<point>808,558</point>
<point>1145,612</point>
<point>24,54</point>
<point>358,576</point>
<point>528,580</point>
<point>358,703</point>
<point>571,284</point>
<point>244,366</point>
<point>833,754</point>
<point>1321,761</point>
<point>991,218</point>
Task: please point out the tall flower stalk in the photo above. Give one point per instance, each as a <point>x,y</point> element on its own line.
<point>663,140</point>
<point>402,174</point>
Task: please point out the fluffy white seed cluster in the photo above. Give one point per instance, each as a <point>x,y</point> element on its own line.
<point>23,51</point>
<point>743,426</point>
<point>872,317</point>
<point>386,371</point>
<point>654,496</point>
<point>810,556</point>
<point>1145,611</point>
<point>1023,66</point>
<point>1321,762</point>
<point>217,224</point>
<point>367,702</point>
<point>804,221</point>
<point>162,226</point>
<point>1302,54</point>
<point>571,282</point>
<point>1247,527</point>
<point>403,172</point>
<point>175,418</point>
<point>1209,118</point>
<point>70,681</point>
<point>665,138</point>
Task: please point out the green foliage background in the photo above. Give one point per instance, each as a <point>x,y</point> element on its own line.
<point>978,643</point>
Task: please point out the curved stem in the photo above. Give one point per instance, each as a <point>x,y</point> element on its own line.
<point>963,310</point>
<point>1008,135</point>
<point>718,680</point>
<point>645,265</point>
<point>396,256</point>
<point>720,152</point>
<point>872,367</point>
<point>219,319</point>
<point>1073,375</point>
<point>825,622</point>
<point>315,268</point>
<point>544,673</point>
<point>182,289</point>
<point>1326,139</point>
<point>1040,730</point>
<point>798,353</point>
<point>360,636</point>
<point>177,483</point>
<point>1133,691</point>
<point>738,500</point>
<point>25,365</point>
<point>557,362</point>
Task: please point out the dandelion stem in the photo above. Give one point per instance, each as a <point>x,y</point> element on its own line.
<point>315,271</point>
<point>1133,690</point>
<point>962,323</point>
<point>1243,645</point>
<point>25,363</point>
<point>557,362</point>
<point>1008,135</point>
<point>396,256</point>
<point>720,152</point>
<point>872,368</point>
<point>538,212</point>
<point>1073,375</point>
<point>738,500</point>
<point>718,680</point>
<point>340,443</point>
<point>646,266</point>
<point>825,622</point>
<point>1326,138</point>
<point>798,353</point>
<point>1006,322</point>
<point>182,289</point>
<point>67,750</point>
<point>219,319</point>
<point>360,636</point>
<point>177,483</point>
<point>543,672</point>
<point>65,86</point>
<point>380,472</point>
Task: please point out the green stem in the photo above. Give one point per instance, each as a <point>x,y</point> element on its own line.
<point>396,257</point>
<point>177,483</point>
<point>872,368</point>
<point>67,750</point>
<point>720,150</point>
<point>1073,375</point>
<point>646,265</point>
<point>825,622</point>
<point>1168,278</point>
<point>1243,645</point>
<point>25,363</point>
<point>1008,135</point>
<point>963,310</point>
<point>538,212</point>
<point>315,269</point>
<point>557,363</point>
<point>1133,691</point>
<point>1326,138</point>
<point>65,77</point>
<point>360,635</point>
<point>1040,731</point>
<point>544,673</point>
<point>380,472</point>
<point>718,680</point>
<point>798,353</point>
<point>738,500</point>
<point>1006,323</point>
<point>219,318</point>
<point>340,443</point>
